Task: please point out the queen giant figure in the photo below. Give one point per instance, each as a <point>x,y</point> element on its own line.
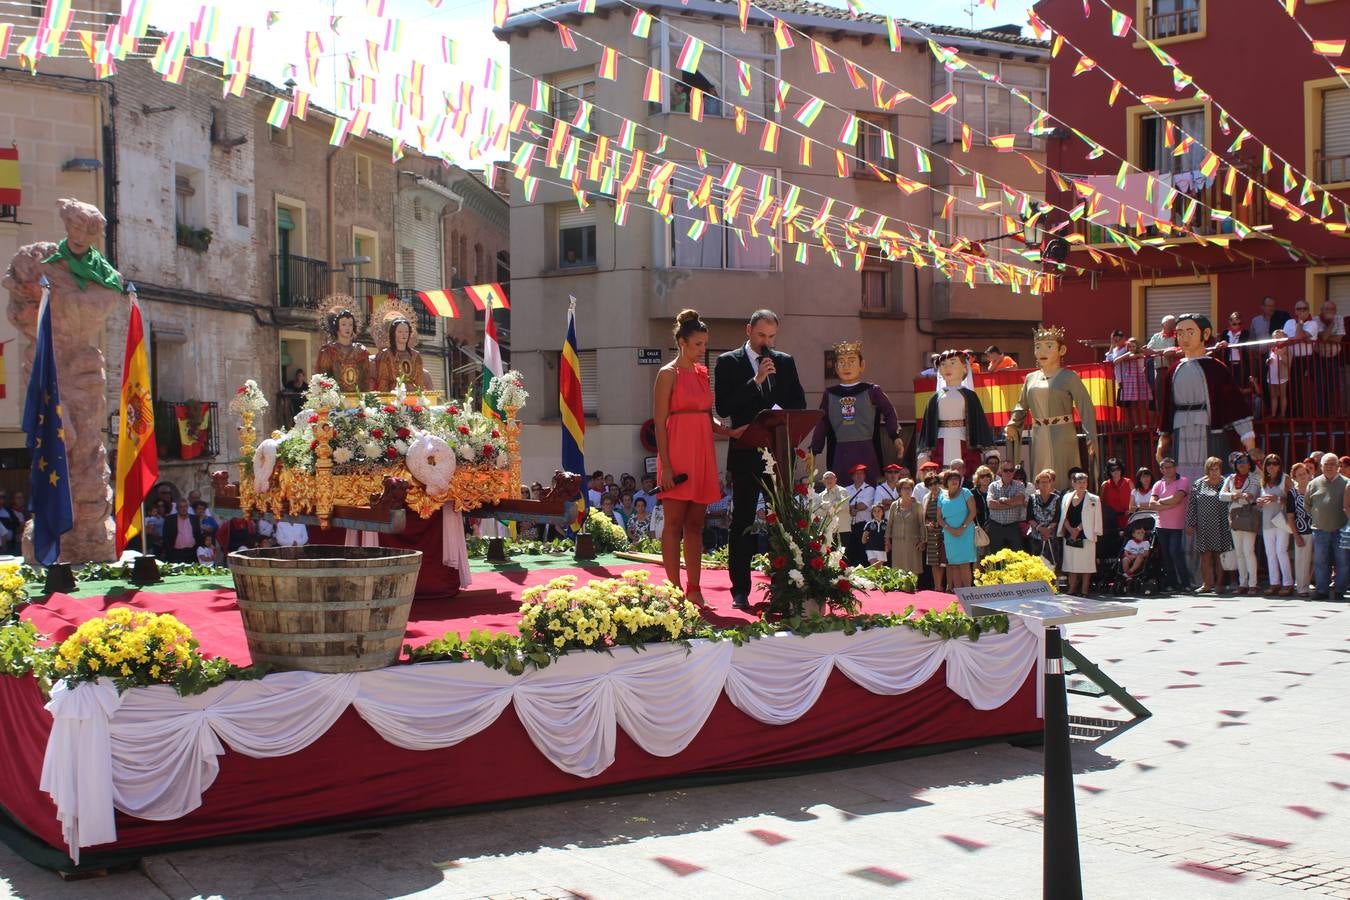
<point>1050,395</point>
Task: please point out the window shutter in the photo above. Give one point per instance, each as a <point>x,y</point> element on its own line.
<point>590,381</point>
<point>1338,292</point>
<point>576,218</point>
<point>1173,300</point>
<point>1336,123</point>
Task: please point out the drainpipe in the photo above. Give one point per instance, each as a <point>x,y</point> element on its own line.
<point>332,224</point>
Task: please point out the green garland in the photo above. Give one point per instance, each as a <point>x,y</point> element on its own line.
<point>516,654</point>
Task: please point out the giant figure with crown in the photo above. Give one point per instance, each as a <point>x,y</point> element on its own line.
<point>856,413</point>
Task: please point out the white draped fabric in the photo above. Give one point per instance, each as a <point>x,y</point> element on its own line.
<point>152,754</point>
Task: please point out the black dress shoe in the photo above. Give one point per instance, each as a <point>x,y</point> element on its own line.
<point>740,601</point>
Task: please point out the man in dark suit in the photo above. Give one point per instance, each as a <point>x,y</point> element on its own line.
<point>750,379</point>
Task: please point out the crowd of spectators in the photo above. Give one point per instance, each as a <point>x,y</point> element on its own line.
<point>1285,365</point>
<point>182,528</point>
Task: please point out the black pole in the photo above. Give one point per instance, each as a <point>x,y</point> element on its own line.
<point>1062,875</point>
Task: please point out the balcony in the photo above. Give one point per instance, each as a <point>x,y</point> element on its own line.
<point>187,429</point>
<point>1173,24</point>
<point>370,289</point>
<point>1333,169</point>
<point>1211,197</point>
<point>301,282</point>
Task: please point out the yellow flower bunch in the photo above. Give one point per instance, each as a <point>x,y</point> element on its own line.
<point>615,611</point>
<point>13,589</point>
<point>133,646</point>
<point>1013,567</point>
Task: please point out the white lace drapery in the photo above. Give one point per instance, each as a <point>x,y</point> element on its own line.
<point>152,754</point>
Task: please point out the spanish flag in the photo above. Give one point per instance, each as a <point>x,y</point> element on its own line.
<point>999,392</point>
<point>11,187</point>
<point>137,460</point>
<point>487,296</point>
<point>439,303</point>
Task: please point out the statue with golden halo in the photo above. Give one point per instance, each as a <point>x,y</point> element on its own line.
<point>1051,394</point>
<point>344,359</point>
<point>856,412</point>
<point>396,339</point>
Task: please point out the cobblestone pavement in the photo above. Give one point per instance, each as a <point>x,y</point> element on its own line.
<point>1236,787</point>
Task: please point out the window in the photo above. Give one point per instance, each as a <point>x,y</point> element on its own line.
<point>280,137</point>
<point>717,74</point>
<point>871,144</point>
<point>407,265</point>
<point>576,237</point>
<point>241,209</point>
<point>569,89</point>
<point>480,264</point>
<point>366,243</point>
<point>417,209</point>
<point>1333,159</point>
<point>362,170</point>
<point>991,109</point>
<point>876,284</point>
<point>981,218</point>
<point>590,382</point>
<point>188,202</point>
<point>720,246</point>
<point>1159,142</point>
<point>1173,18</point>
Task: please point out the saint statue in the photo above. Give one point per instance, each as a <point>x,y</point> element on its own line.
<point>954,424</point>
<point>343,359</point>
<point>1051,394</point>
<point>856,414</point>
<point>1199,401</point>
<point>399,362</point>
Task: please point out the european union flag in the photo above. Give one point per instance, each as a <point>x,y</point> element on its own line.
<point>49,493</point>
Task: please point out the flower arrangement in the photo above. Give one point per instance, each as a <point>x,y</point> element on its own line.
<point>508,391</point>
<point>248,399</point>
<point>1013,567</point>
<point>322,393</point>
<point>375,434</point>
<point>607,534</point>
<point>805,569</point>
<point>13,590</point>
<point>133,647</point>
<point>626,611</point>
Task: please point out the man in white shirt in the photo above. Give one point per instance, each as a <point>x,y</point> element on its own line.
<point>832,502</point>
<point>291,534</point>
<point>645,492</point>
<point>887,491</point>
<point>597,488</point>
<point>926,470</point>
<point>1163,348</point>
<point>860,510</point>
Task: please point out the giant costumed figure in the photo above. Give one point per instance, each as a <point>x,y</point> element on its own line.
<point>1050,395</point>
<point>1199,402</point>
<point>856,412</point>
<point>86,291</point>
<point>954,424</point>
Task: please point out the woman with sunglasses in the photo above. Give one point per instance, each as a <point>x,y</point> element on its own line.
<point>1115,495</point>
<point>1240,491</point>
<point>1275,525</point>
<point>1080,525</point>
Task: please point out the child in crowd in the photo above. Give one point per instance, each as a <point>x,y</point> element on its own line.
<point>874,535</point>
<point>1136,551</point>
<point>1277,375</point>
<point>206,553</point>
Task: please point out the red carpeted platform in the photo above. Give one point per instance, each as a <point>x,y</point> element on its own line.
<point>491,603</point>
<point>351,776</point>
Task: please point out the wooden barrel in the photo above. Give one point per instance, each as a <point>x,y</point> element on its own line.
<point>324,608</point>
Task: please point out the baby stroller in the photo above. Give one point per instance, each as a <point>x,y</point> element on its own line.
<point>1147,579</point>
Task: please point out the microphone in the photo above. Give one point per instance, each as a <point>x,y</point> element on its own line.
<point>768,382</point>
<point>679,479</point>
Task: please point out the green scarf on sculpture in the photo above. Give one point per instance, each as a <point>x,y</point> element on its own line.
<point>92,266</point>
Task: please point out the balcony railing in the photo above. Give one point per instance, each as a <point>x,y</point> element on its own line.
<point>1332,169</point>
<point>1172,24</point>
<point>375,288</point>
<point>301,282</point>
<point>1211,197</point>
<point>426,322</point>
<point>187,429</point>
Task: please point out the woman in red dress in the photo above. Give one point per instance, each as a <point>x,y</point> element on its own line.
<point>686,466</point>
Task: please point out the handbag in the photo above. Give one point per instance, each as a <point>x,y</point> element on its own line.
<point>1282,524</point>
<point>1245,518</point>
<point>981,537</point>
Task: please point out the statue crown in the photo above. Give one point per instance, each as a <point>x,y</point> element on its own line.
<point>1050,332</point>
<point>848,348</point>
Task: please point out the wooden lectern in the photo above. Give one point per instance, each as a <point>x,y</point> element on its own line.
<point>781,430</point>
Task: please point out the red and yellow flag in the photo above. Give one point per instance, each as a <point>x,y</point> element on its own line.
<point>439,303</point>
<point>194,427</point>
<point>11,186</point>
<point>999,392</point>
<point>137,460</point>
<point>487,296</point>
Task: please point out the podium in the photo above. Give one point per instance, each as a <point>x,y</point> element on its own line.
<point>780,430</point>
